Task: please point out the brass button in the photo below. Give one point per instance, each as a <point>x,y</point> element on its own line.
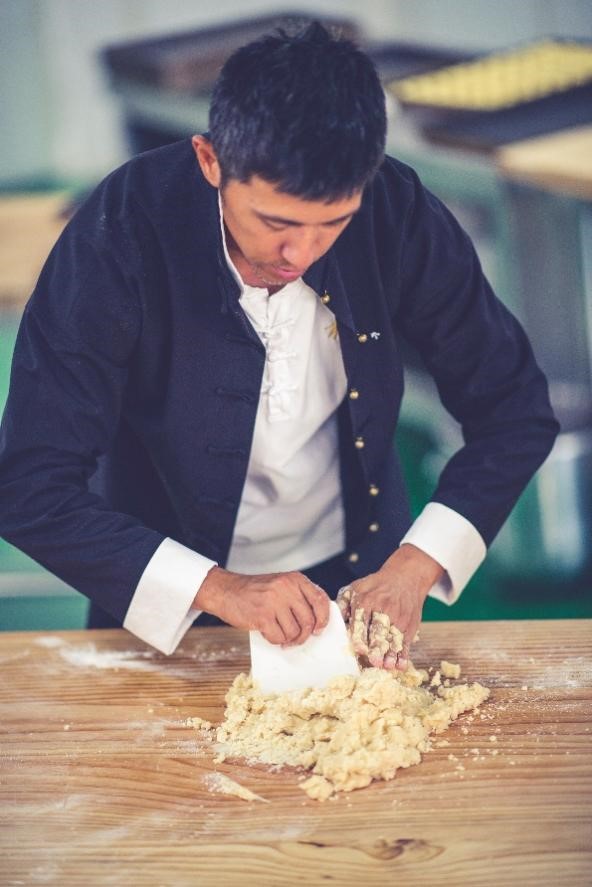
<point>325,298</point>
<point>359,443</point>
<point>354,557</point>
<point>362,337</point>
<point>374,491</point>
<point>374,527</point>
<point>354,394</point>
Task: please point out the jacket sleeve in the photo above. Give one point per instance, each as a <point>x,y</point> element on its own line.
<point>67,386</point>
<point>482,363</point>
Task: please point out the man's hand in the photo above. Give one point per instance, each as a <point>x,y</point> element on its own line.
<point>398,590</point>
<point>285,607</point>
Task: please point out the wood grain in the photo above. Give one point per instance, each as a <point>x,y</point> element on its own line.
<point>101,781</point>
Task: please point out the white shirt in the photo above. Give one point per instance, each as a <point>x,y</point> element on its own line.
<point>291,513</point>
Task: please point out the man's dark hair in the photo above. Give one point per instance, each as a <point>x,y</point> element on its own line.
<point>305,112</point>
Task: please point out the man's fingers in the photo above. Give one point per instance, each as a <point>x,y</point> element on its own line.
<point>303,608</point>
<point>390,661</point>
<point>288,628</point>
<point>359,631</point>
<point>289,624</point>
<point>344,602</point>
<point>378,638</point>
<point>387,644</point>
<point>403,658</point>
<point>273,632</point>
<point>296,608</point>
<point>409,637</point>
<point>318,601</point>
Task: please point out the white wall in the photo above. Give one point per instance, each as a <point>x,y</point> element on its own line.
<point>24,120</point>
<point>485,24</point>
<point>59,115</point>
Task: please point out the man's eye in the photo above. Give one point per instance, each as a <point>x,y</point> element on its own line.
<point>274,226</point>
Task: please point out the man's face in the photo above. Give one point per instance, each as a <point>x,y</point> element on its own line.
<point>274,237</point>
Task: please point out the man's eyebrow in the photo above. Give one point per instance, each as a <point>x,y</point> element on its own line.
<point>282,221</point>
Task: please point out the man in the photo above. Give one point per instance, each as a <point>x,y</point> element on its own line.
<point>207,378</point>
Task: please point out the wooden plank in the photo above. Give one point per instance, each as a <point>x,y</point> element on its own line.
<point>560,162</point>
<point>101,781</point>
<point>29,226</point>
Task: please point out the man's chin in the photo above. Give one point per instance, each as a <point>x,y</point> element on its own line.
<point>273,277</point>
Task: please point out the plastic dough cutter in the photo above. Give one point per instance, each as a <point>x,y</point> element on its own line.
<point>314,663</point>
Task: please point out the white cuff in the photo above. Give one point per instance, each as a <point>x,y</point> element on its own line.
<point>159,612</point>
<point>451,540</point>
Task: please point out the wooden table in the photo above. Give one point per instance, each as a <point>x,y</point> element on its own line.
<point>102,782</point>
<point>29,226</point>
<point>559,162</point>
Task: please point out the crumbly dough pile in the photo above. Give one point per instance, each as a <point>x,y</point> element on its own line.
<point>355,730</point>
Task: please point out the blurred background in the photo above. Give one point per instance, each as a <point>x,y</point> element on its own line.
<point>490,102</point>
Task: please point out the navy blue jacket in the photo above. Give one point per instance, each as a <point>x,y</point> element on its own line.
<point>136,377</point>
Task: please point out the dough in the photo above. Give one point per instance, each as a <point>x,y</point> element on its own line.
<point>450,670</point>
<point>355,730</point>
<point>198,723</point>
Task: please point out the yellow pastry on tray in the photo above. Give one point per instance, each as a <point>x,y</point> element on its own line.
<point>501,80</point>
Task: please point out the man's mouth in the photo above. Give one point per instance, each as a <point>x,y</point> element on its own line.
<point>288,273</point>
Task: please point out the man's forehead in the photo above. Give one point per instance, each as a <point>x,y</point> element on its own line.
<point>289,220</point>
<point>267,200</point>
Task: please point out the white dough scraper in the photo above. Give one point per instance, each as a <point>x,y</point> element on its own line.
<point>314,663</point>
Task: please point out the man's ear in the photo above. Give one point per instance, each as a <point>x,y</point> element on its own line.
<point>208,162</point>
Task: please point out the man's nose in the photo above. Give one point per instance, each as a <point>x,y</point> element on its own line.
<point>301,250</point>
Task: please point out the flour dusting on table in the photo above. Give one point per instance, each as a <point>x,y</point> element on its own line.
<point>88,656</point>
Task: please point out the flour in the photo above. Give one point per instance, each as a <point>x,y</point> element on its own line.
<point>574,673</point>
<point>355,730</point>
<point>88,656</point>
<point>218,655</point>
<point>51,641</point>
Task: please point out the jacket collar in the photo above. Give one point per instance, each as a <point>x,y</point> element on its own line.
<point>325,277</point>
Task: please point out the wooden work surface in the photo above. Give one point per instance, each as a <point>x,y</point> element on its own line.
<point>101,781</point>
<point>29,226</point>
<point>560,162</point>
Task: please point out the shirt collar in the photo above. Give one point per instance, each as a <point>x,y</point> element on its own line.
<point>231,266</point>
